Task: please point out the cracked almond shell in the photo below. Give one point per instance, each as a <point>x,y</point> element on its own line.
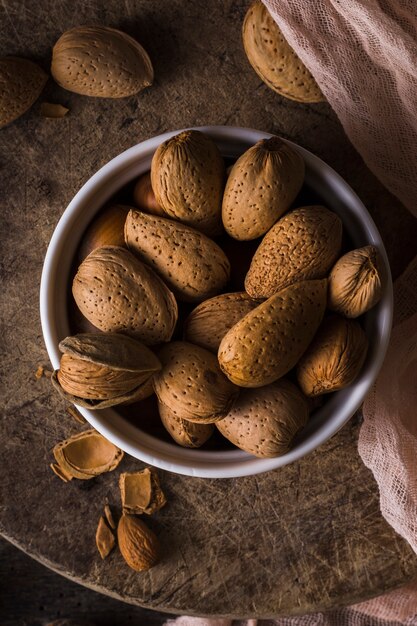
<point>208,323</point>
<point>263,183</point>
<point>193,266</point>
<point>188,175</point>
<point>86,455</point>
<point>191,383</point>
<point>274,60</point>
<point>99,370</point>
<point>118,293</point>
<point>187,434</point>
<point>355,282</point>
<point>139,546</point>
<point>302,245</point>
<point>265,421</point>
<point>268,342</point>
<point>334,358</point>
<point>141,492</point>
<point>100,61</point>
<point>21,83</point>
<point>105,540</point>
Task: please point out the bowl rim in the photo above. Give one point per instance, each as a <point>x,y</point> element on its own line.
<point>200,463</point>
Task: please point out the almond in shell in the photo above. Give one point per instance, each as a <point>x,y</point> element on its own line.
<point>100,61</point>
<point>193,266</point>
<point>138,544</point>
<point>268,342</point>
<point>185,433</point>
<point>302,245</point>
<point>118,293</point>
<point>191,384</point>
<point>208,323</point>
<point>263,183</point>
<point>265,421</point>
<point>188,175</point>
<point>334,358</point>
<point>21,83</point>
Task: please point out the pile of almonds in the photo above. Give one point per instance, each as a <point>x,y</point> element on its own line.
<point>246,362</point>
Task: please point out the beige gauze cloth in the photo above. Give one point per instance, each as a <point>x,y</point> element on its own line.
<point>363,55</point>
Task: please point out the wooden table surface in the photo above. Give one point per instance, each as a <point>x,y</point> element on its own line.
<point>299,539</point>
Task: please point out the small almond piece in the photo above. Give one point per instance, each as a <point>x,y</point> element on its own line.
<point>105,540</point>
<point>139,546</point>
<point>355,282</point>
<point>100,61</point>
<point>49,109</point>
<point>21,83</point>
<point>109,517</point>
<point>185,433</point>
<point>86,455</point>
<point>192,265</point>
<point>141,492</point>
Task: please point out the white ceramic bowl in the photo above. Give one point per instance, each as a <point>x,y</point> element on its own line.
<point>326,421</point>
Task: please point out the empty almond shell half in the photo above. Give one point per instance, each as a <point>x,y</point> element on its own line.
<point>86,455</point>
<point>141,492</point>
<point>101,370</point>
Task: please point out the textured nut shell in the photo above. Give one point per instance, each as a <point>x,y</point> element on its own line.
<point>138,544</point>
<point>144,197</point>
<point>191,383</point>
<point>141,492</point>
<point>185,433</point>
<point>209,322</point>
<point>105,540</point>
<point>263,183</point>
<point>86,455</point>
<point>100,61</point>
<point>334,358</point>
<point>107,229</point>
<point>190,263</point>
<point>274,60</point>
<point>303,245</point>
<point>117,370</point>
<point>269,341</point>
<point>21,82</point>
<point>265,421</point>
<point>355,282</point>
<point>187,175</point>
<point>116,292</point>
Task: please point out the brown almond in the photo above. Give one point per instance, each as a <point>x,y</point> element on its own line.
<point>144,197</point>
<point>22,82</point>
<point>191,264</point>
<point>302,245</point>
<point>208,323</point>
<point>274,60</point>
<point>106,229</point>
<point>191,383</point>
<point>265,344</point>
<point>185,433</point>
<point>188,175</point>
<point>265,421</point>
<point>118,293</point>
<point>355,282</point>
<point>263,183</point>
<point>100,61</point>
<point>334,358</point>
<point>139,546</point>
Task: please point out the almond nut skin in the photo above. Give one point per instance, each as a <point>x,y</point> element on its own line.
<point>188,175</point>
<point>107,229</point>
<point>263,183</point>
<point>21,83</point>
<point>193,266</point>
<point>265,344</point>
<point>138,545</point>
<point>100,61</point>
<point>118,293</point>
<point>274,60</point>
<point>334,358</point>
<point>144,197</point>
<point>302,245</point>
<point>355,282</point>
<point>208,323</point>
<point>265,421</point>
<point>187,434</point>
<point>191,383</point>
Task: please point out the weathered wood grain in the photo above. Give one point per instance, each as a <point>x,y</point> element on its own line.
<point>299,539</point>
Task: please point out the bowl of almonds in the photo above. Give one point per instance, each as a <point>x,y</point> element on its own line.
<point>216,302</point>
